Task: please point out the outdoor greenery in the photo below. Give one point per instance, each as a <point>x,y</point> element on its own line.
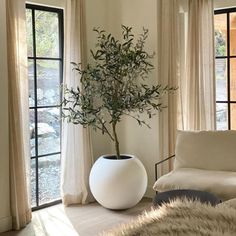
<point>46,33</point>
<point>113,85</point>
<point>220,42</point>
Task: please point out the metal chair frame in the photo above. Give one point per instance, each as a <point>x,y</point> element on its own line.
<point>160,162</point>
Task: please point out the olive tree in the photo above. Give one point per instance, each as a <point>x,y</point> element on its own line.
<point>113,85</point>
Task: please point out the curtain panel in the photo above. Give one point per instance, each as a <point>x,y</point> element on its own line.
<point>19,153</point>
<point>168,74</point>
<point>77,157</point>
<point>197,83</point>
<point>186,60</point>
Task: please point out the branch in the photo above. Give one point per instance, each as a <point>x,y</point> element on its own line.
<point>104,128</point>
<point>138,120</point>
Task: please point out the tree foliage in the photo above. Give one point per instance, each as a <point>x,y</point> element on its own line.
<point>113,85</point>
<point>46,33</point>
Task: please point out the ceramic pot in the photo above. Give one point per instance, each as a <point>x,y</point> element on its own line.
<point>118,183</point>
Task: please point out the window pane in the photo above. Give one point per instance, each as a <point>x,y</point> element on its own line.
<point>233,116</point>
<point>233,79</point>
<point>48,130</point>
<point>47,34</point>
<point>32,131</point>
<point>221,35</point>
<point>221,79</point>
<point>33,183</point>
<point>29,32</point>
<point>232,34</point>
<point>31,82</point>
<point>49,178</point>
<point>221,116</point>
<point>48,82</point>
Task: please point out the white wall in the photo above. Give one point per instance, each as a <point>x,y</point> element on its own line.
<point>97,16</point>
<point>224,3</point>
<point>5,219</point>
<point>140,141</point>
<point>52,3</point>
<point>110,15</point>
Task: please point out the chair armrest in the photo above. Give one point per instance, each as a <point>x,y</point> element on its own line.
<point>160,162</point>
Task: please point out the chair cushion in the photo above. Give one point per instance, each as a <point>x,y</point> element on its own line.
<point>230,203</point>
<point>210,150</point>
<point>220,183</point>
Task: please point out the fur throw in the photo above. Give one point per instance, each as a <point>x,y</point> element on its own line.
<point>182,218</point>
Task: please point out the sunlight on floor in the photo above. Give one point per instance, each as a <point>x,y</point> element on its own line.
<point>77,220</point>
<point>51,221</point>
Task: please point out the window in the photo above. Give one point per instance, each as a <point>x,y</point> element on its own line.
<point>225,50</point>
<point>45,65</point>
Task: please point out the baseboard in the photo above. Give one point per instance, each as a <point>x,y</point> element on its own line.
<point>149,192</point>
<point>5,224</point>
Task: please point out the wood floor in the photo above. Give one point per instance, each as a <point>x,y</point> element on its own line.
<point>77,220</point>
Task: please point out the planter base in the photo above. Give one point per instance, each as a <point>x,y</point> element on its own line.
<point>118,184</point>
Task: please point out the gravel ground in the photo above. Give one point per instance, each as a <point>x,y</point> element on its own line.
<point>49,182</point>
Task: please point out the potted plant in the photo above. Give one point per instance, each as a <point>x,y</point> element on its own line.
<point>112,86</point>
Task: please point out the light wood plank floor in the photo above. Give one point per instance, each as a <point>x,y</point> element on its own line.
<point>87,220</point>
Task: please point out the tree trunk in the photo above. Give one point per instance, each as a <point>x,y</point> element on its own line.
<point>117,145</point>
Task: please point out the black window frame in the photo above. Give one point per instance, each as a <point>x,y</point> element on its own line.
<point>227,11</point>
<point>34,58</point>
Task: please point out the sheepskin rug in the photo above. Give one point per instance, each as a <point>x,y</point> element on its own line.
<point>182,218</point>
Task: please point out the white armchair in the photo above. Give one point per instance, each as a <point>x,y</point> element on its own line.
<point>204,160</point>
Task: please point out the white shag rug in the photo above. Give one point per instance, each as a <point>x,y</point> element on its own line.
<point>182,218</point>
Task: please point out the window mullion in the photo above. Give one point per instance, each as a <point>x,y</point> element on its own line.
<point>36,111</point>
<point>228,69</point>
<point>46,58</point>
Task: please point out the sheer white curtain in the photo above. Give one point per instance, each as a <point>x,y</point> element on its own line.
<point>76,143</point>
<point>18,113</point>
<point>169,52</point>
<point>186,60</point>
<point>197,85</point>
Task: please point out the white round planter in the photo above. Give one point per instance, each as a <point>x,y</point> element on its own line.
<point>118,184</point>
